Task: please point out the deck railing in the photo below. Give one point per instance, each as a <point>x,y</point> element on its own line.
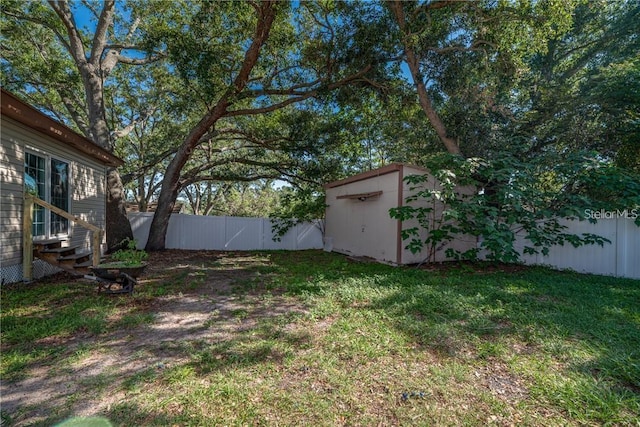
<point>27,234</point>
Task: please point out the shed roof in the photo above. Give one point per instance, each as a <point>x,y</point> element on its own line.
<point>11,106</point>
<point>392,167</point>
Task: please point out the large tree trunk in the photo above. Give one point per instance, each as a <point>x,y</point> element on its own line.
<point>93,69</point>
<point>171,181</point>
<point>118,225</point>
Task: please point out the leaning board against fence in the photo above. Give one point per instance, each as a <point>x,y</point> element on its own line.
<point>223,233</point>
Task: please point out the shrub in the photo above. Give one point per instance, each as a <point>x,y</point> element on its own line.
<point>510,196</point>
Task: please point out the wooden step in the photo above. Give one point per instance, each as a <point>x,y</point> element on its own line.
<point>51,255</point>
<point>61,252</point>
<point>39,245</point>
<point>76,257</point>
<point>69,261</point>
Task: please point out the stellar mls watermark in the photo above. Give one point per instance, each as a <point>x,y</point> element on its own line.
<point>608,214</point>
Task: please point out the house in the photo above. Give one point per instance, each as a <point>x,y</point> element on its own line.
<point>43,157</point>
<point>358,223</point>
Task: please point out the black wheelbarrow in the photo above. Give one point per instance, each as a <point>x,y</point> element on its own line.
<point>117,279</point>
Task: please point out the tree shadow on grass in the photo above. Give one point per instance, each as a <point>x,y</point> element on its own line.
<point>219,312</point>
<point>534,305</point>
<point>127,413</point>
<point>587,327</point>
<point>200,321</point>
<point>587,324</point>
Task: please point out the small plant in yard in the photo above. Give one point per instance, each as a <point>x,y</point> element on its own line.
<point>130,256</point>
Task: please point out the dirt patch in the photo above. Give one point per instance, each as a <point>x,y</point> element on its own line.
<point>502,383</point>
<point>212,308</point>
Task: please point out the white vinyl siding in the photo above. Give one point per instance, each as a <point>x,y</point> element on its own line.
<point>87,185</point>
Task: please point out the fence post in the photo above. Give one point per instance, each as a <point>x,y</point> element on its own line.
<point>97,239</point>
<point>27,238</point>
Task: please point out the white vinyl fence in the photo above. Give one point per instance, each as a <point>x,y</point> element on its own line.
<point>619,258</point>
<point>225,233</point>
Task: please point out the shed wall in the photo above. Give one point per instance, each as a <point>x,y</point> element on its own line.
<point>364,228</point>
<point>87,187</point>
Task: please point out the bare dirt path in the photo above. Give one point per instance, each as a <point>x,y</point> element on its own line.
<point>211,309</point>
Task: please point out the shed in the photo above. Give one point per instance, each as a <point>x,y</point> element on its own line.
<point>61,168</point>
<point>358,221</point>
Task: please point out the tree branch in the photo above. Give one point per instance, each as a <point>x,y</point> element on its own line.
<point>45,24</point>
<point>141,61</point>
<point>92,8</point>
<point>451,144</point>
<point>359,76</point>
<point>100,36</point>
<point>76,47</point>
<point>77,115</point>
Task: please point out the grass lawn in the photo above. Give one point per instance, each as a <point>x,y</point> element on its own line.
<point>310,338</point>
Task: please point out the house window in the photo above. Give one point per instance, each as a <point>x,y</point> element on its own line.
<point>59,195</point>
<point>49,180</point>
<point>35,173</point>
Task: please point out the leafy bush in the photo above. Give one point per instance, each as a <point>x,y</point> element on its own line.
<point>130,255</point>
<point>507,196</point>
<point>298,206</point>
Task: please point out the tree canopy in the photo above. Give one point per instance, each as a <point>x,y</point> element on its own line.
<point>208,99</point>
